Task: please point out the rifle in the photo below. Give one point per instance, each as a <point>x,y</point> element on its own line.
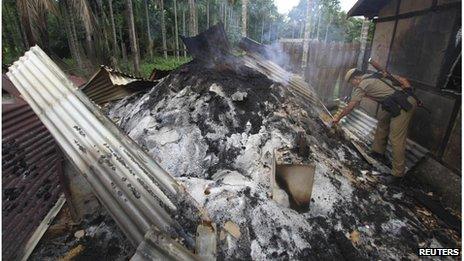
<point>395,81</point>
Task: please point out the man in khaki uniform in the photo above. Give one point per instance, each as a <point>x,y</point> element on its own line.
<point>394,116</point>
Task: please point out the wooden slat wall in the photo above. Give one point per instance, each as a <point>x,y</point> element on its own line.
<point>326,65</point>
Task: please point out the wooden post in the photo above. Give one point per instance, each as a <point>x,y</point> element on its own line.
<point>362,49</point>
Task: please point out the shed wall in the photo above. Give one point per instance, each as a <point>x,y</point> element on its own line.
<point>415,43</point>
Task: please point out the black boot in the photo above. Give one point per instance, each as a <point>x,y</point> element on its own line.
<point>379,157</point>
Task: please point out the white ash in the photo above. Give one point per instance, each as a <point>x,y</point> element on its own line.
<point>216,132</point>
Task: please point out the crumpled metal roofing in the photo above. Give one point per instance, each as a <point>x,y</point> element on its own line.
<point>135,190</point>
<point>363,127</point>
<point>31,169</point>
<point>108,84</point>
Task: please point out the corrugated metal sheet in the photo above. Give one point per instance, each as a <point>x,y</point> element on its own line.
<point>30,172</point>
<point>363,127</point>
<point>156,246</point>
<point>135,190</point>
<point>108,84</point>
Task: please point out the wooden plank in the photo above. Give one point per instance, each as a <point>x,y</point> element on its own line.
<point>40,231</point>
<point>332,71</point>
<point>339,74</point>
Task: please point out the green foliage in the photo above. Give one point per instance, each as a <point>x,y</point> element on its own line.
<point>162,64</point>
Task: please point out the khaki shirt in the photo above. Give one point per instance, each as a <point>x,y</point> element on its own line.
<point>371,88</point>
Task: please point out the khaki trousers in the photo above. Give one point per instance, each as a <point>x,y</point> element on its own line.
<point>396,129</point>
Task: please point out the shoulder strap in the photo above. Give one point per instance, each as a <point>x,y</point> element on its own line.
<point>379,76</point>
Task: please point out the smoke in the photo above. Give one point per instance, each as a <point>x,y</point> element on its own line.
<point>276,53</point>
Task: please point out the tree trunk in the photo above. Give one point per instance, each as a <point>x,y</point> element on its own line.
<point>176,29</point>
<point>327,29</point>
<point>163,30</point>
<point>150,41</point>
<point>104,28</point>
<point>73,46</point>
<point>207,14</point>
<point>225,17</point>
<point>221,12</point>
<point>73,43</point>
<point>262,31</point>
<point>318,24</point>
<point>293,30</point>
<point>304,58</point>
<point>184,32</point>
<point>113,29</point>
<point>133,37</point>
<point>123,47</point>
<point>193,28</point>
<point>301,30</point>
<point>244,18</point>
<point>270,32</point>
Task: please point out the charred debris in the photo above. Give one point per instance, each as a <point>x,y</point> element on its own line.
<point>225,131</point>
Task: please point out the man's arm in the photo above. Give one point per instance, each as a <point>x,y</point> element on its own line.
<point>404,82</point>
<point>351,105</point>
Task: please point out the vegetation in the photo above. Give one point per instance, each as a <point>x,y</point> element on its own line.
<point>161,63</point>
<point>135,35</point>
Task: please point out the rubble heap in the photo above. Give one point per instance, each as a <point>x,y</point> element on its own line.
<point>215,130</point>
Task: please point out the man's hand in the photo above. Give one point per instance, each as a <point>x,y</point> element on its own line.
<point>335,120</point>
<point>405,82</point>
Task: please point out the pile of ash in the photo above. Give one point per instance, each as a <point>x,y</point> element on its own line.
<point>215,130</point>
<point>95,237</point>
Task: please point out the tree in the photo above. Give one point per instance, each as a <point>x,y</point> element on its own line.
<point>150,41</point>
<point>33,17</point>
<point>71,34</point>
<point>304,59</point>
<point>113,32</point>
<point>133,37</point>
<point>193,27</point>
<point>207,13</point>
<point>176,29</point>
<point>163,30</point>
<point>244,18</point>
<point>184,31</point>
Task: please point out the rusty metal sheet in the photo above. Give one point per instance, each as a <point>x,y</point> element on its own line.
<point>108,84</point>
<point>30,173</point>
<point>134,189</point>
